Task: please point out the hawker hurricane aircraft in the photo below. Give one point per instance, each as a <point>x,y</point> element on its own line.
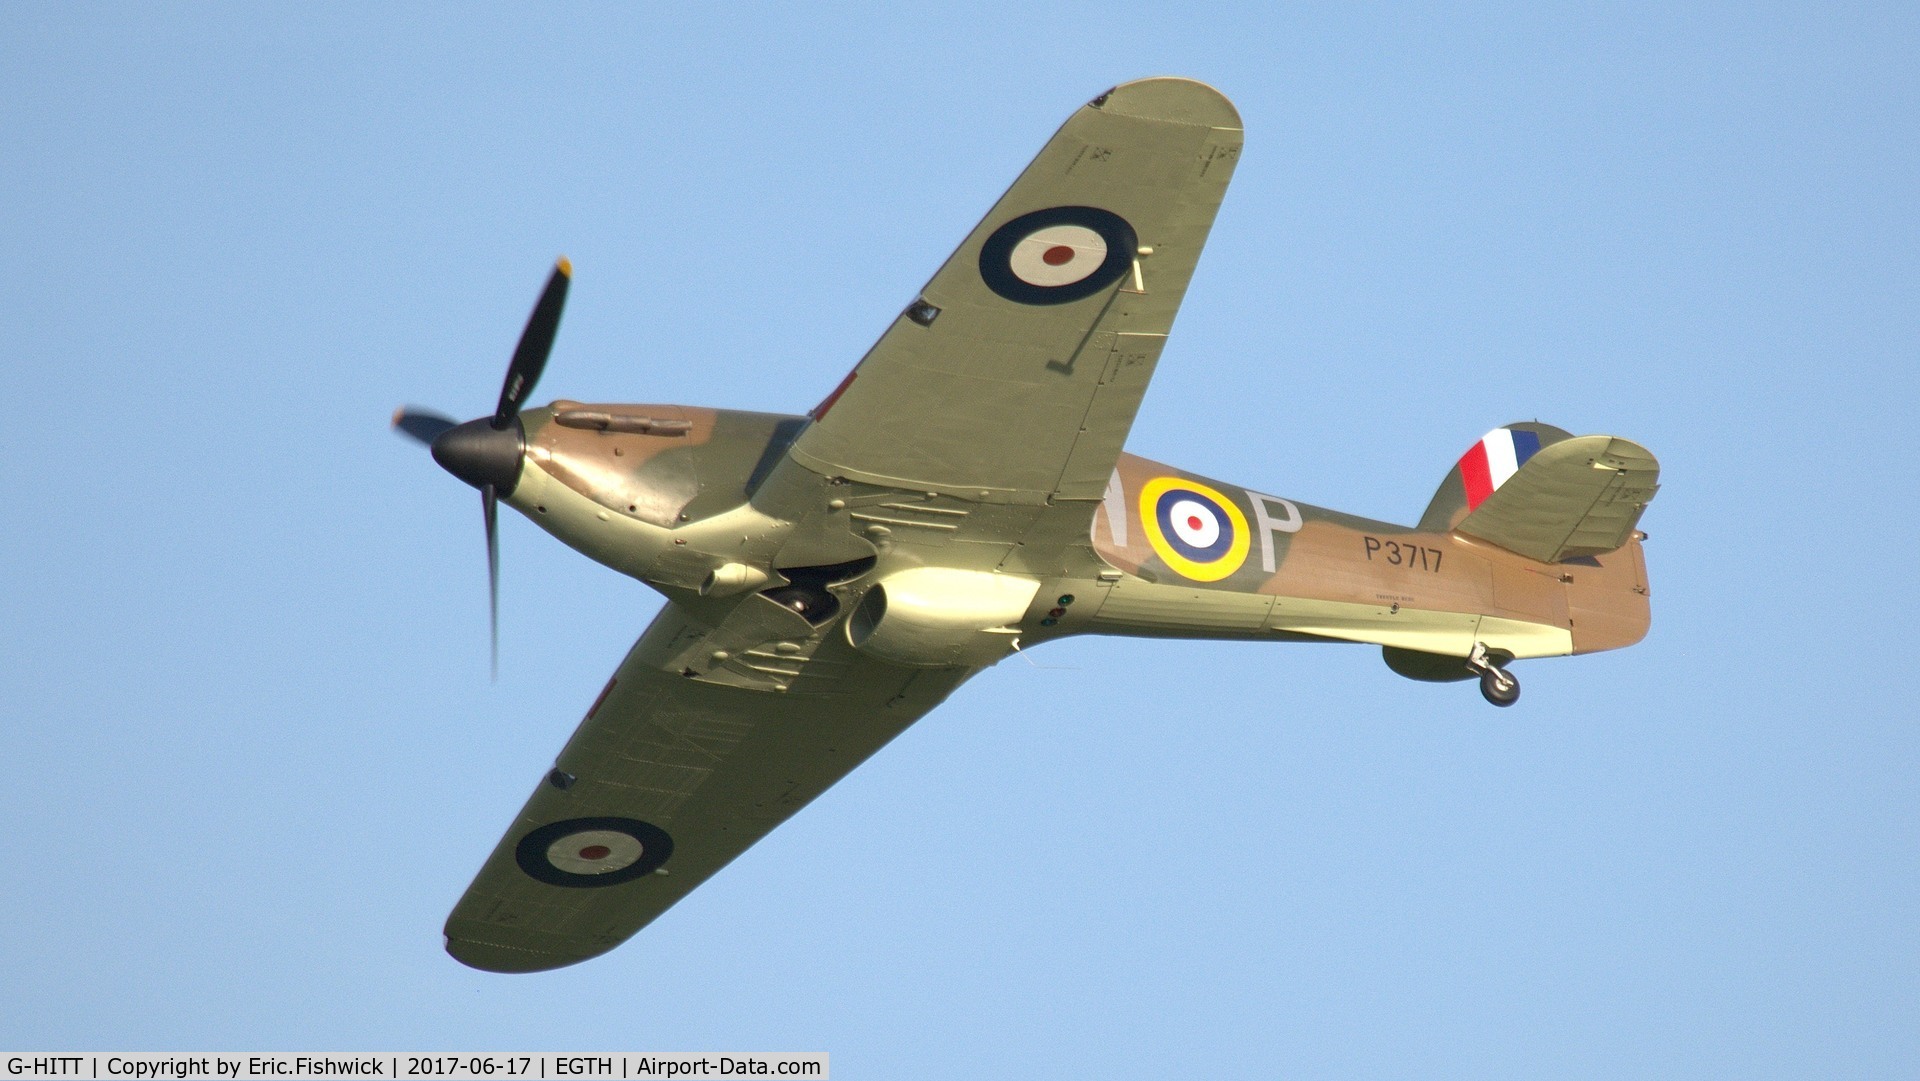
<point>962,494</point>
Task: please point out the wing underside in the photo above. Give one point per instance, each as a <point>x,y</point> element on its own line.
<point>1015,376</point>
<point>668,779</point>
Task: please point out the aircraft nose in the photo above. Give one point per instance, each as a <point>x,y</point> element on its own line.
<point>481,454</point>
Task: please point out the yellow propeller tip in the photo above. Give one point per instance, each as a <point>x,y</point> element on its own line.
<point>565,266</point>
<point>397,414</point>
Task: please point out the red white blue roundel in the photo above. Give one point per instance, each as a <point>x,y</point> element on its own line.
<point>1057,255</point>
<point>1195,523</point>
<point>593,851</point>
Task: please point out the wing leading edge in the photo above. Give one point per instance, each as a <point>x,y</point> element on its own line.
<point>1015,376</point>
<point>665,782</point>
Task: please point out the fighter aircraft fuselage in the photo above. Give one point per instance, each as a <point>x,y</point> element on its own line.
<point>678,497</point>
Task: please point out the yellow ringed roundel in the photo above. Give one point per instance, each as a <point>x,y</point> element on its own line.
<point>1195,530</point>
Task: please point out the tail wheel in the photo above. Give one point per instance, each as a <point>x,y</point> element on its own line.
<point>1499,687</point>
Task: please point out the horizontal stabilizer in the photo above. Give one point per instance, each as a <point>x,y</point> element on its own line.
<point>1579,496</point>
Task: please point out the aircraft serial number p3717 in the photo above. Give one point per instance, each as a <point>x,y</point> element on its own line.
<point>830,577</point>
<point>1395,554</point>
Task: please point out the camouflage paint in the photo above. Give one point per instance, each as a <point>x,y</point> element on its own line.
<point>982,435</point>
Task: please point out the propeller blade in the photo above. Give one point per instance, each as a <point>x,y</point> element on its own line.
<point>422,425</point>
<point>487,453</point>
<point>530,356</point>
<point>489,506</point>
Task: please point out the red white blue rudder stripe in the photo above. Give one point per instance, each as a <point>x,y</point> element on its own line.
<point>1491,462</point>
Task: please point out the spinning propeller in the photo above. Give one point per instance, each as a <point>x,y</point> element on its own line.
<point>486,452</point>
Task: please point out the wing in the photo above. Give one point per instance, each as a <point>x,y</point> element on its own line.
<point>667,780</point>
<point>1016,375</point>
<point>1578,497</point>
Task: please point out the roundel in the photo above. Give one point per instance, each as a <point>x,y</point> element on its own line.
<point>593,851</point>
<point>1195,530</point>
<point>1056,255</point>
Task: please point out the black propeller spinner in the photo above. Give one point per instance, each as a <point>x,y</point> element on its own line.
<point>486,452</point>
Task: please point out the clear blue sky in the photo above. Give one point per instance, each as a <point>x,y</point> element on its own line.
<point>252,755</point>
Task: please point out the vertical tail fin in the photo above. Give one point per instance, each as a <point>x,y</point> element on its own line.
<point>1486,466</point>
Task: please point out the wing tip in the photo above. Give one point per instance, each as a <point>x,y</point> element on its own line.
<point>1172,99</point>
<point>490,956</point>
